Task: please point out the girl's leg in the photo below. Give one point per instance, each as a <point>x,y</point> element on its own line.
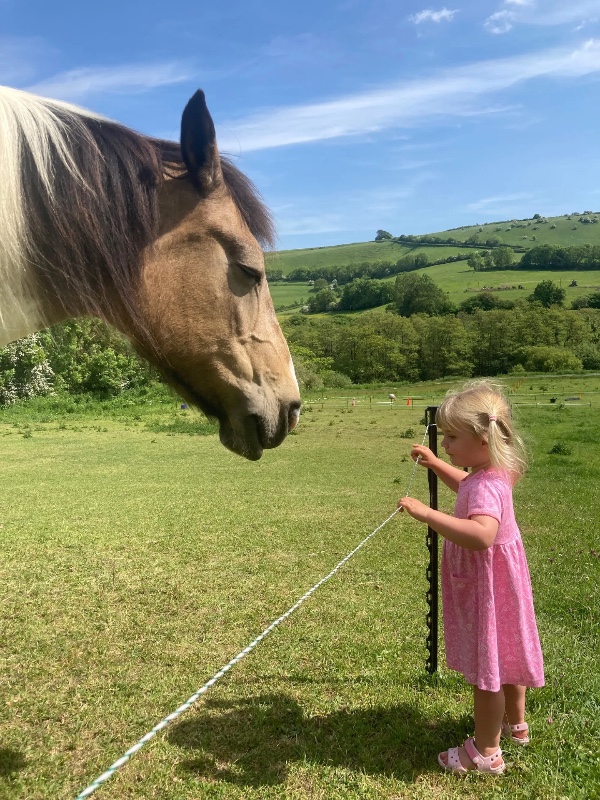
<point>515,706</point>
<point>489,711</point>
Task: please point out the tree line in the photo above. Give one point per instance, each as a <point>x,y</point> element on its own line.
<point>346,273</point>
<point>386,347</point>
<point>550,257</point>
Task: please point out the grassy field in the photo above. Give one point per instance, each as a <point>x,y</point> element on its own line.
<point>568,231</point>
<point>562,234</point>
<point>461,282</point>
<point>139,557</point>
<point>455,278</point>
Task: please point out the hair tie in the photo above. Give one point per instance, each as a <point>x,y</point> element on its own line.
<point>493,418</point>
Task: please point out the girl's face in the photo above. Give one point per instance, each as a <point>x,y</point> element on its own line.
<point>466,450</point>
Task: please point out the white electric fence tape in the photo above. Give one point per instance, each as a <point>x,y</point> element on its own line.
<point>184,707</point>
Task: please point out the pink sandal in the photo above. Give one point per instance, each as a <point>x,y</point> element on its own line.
<point>492,764</point>
<point>508,731</point>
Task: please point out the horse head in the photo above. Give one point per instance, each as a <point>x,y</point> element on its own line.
<point>159,239</point>
<point>205,301</point>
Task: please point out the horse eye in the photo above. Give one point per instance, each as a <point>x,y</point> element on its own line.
<point>252,273</point>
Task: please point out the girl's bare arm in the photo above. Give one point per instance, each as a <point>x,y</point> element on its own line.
<point>477,533</point>
<point>451,476</point>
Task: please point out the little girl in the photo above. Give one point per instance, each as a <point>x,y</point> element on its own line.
<point>489,623</point>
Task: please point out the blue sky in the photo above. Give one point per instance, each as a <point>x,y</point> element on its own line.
<point>349,115</point>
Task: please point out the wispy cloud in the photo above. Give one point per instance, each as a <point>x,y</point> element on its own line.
<point>453,92</point>
<point>77,84</point>
<point>500,22</point>
<point>367,208</point>
<point>428,15</point>
<point>498,203</point>
<point>548,13</point>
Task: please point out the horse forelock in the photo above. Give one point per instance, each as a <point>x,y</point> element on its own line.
<point>253,210</point>
<point>243,192</point>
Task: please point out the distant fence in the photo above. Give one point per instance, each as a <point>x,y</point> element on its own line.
<point>407,402</point>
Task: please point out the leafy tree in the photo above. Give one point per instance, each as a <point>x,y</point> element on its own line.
<point>550,359</point>
<point>418,294</point>
<point>88,356</point>
<point>589,354</point>
<point>382,236</point>
<point>548,294</point>
<point>274,274</point>
<point>320,283</point>
<point>445,347</point>
<point>503,257</point>
<point>475,262</point>
<point>486,301</point>
<point>594,300</point>
<point>365,293</point>
<point>325,300</point>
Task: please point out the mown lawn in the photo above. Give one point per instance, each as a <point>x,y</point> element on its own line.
<point>140,556</point>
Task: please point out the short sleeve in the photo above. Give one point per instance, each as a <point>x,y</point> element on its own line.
<point>486,497</point>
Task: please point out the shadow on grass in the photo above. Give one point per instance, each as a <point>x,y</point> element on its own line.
<point>252,742</point>
<point>11,761</point>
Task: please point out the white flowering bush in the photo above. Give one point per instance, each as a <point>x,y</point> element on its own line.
<point>24,370</point>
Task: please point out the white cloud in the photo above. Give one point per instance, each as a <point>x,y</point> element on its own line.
<point>428,15</point>
<point>559,12</point>
<point>550,12</point>
<point>454,92</point>
<point>500,22</point>
<point>76,84</point>
<point>492,205</point>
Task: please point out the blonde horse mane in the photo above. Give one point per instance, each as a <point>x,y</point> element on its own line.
<point>78,206</point>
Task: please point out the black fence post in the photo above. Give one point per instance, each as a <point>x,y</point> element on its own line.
<point>432,545</point>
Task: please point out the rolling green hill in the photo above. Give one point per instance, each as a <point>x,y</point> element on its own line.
<point>455,278</point>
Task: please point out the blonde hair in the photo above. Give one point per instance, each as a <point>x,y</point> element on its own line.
<point>481,408</point>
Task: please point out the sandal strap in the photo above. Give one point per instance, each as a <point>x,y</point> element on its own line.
<point>484,763</point>
<point>454,762</point>
<point>519,726</point>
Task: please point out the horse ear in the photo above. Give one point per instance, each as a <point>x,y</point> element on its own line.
<point>199,145</point>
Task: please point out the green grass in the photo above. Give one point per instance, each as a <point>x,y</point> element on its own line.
<point>461,282</point>
<point>289,294</point>
<point>567,232</point>
<point>455,278</point>
<point>358,252</point>
<point>137,561</point>
<point>340,255</point>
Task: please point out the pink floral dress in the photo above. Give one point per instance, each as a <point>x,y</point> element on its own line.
<point>490,631</point>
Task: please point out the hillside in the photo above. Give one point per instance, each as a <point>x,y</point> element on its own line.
<point>455,278</point>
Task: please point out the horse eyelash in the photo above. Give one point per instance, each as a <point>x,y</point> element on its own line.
<point>251,273</point>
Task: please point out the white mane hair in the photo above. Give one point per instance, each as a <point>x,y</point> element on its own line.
<point>36,128</point>
<point>79,208</point>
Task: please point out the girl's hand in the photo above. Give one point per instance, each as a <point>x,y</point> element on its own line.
<point>415,508</point>
<point>424,455</point>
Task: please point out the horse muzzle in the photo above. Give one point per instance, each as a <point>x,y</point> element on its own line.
<point>256,433</point>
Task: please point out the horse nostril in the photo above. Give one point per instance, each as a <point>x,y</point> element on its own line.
<point>293,415</point>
